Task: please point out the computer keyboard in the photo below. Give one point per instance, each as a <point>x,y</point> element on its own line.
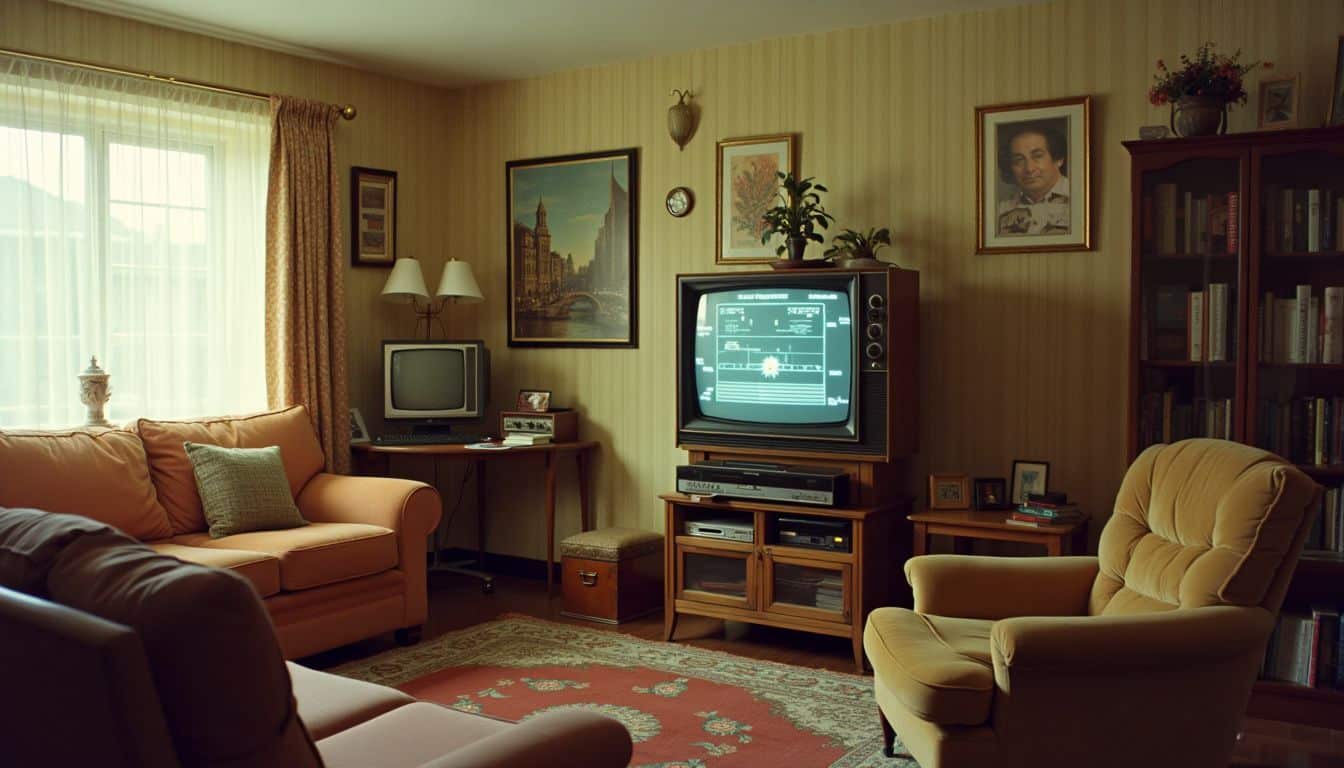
<point>451,438</point>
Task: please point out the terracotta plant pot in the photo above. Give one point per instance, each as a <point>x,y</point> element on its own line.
<point>1198,116</point>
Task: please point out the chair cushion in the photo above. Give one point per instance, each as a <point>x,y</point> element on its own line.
<point>171,471</point>
<point>330,703</point>
<point>98,474</point>
<point>940,668</point>
<point>261,569</point>
<point>317,554</point>
<point>1201,522</point>
<point>611,545</point>
<point>243,489</point>
<point>407,736</point>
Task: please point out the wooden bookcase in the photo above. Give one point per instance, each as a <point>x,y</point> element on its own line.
<point>1253,381</point>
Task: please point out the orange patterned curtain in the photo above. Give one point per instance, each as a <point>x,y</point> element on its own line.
<point>305,274</point>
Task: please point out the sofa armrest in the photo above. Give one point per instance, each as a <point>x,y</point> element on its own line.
<point>556,740</point>
<point>1095,644</point>
<point>975,587</point>
<point>410,508</point>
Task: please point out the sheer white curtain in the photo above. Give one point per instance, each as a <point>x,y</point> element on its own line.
<point>132,227</point>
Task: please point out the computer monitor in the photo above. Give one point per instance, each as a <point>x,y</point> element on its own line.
<point>431,380</point>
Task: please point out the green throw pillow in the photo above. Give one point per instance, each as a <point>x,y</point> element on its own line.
<point>243,489</point>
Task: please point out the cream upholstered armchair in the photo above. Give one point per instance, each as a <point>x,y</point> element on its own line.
<point>1144,655</point>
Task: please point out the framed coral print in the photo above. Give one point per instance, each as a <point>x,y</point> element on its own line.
<point>748,183</point>
<point>373,217</point>
<point>1033,191</point>
<point>572,250</point>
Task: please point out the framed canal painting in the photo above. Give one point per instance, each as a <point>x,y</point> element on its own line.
<point>572,241</point>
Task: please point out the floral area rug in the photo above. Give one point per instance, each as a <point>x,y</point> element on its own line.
<point>685,707</point>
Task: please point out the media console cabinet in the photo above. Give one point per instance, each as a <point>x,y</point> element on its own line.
<point>764,582</point>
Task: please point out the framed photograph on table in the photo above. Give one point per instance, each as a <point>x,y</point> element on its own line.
<point>1033,185</point>
<point>535,400</point>
<point>990,493</point>
<point>949,492</point>
<point>748,184</point>
<point>373,217</point>
<point>1029,477</point>
<point>1278,102</point>
<point>358,432</point>
<point>572,235</point>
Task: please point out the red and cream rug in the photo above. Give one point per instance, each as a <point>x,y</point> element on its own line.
<point>684,707</point>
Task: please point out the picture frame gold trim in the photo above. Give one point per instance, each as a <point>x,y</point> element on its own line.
<point>791,139</point>
<point>361,217</point>
<point>963,483</point>
<point>1084,183</point>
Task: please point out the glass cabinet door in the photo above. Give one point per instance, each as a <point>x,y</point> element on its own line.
<point>1188,270</point>
<point>803,587</point>
<point>717,575</point>
<point>1298,380</point>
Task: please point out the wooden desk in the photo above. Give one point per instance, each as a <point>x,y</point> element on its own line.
<point>1062,539</point>
<point>376,458</point>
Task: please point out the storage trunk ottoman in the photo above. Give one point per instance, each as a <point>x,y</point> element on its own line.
<point>612,575</point>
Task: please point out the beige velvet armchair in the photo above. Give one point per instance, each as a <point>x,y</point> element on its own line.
<point>1142,656</point>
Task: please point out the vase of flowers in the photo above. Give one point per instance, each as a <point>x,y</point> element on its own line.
<point>1201,89</point>
<point>797,217</point>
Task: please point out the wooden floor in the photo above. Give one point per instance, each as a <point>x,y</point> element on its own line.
<point>456,602</point>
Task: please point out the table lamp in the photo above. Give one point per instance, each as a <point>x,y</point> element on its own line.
<point>406,285</point>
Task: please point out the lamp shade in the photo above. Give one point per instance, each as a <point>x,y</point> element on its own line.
<point>406,283</point>
<point>458,282</point>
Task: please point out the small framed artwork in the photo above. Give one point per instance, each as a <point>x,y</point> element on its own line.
<point>358,432</point>
<point>573,238</point>
<point>1033,180</point>
<point>1336,116</point>
<point>949,492</point>
<point>990,493</point>
<point>1029,477</point>
<point>373,217</point>
<point>747,176</point>
<point>536,400</point>
<point>1278,102</point>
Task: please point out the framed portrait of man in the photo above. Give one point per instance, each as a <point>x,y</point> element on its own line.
<point>1033,185</point>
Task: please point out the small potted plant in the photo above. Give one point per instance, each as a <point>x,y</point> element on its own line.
<point>798,217</point>
<point>1200,91</point>
<point>852,248</point>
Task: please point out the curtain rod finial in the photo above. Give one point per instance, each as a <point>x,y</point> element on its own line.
<point>348,111</point>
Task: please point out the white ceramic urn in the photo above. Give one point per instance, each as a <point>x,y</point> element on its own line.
<point>94,393</point>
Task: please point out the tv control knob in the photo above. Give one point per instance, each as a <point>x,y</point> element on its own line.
<point>876,315</point>
<point>875,331</point>
<point>873,350</point>
<point>876,301</point>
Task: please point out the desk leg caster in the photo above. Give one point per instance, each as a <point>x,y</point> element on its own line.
<point>409,635</point>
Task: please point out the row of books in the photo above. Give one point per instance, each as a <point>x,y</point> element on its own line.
<point>1306,649</point>
<point>1164,419</point>
<point>1176,222</point>
<point>1303,220</point>
<point>1327,533</point>
<point>1304,430</point>
<point>1189,325</point>
<point>1303,329</point>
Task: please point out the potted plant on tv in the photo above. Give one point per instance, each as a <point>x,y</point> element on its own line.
<point>797,217</point>
<point>1200,91</point>
<point>852,248</point>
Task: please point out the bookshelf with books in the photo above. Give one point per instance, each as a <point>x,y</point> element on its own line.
<point>1237,331</point>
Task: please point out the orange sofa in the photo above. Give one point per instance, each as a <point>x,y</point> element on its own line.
<point>120,657</point>
<point>357,570</point>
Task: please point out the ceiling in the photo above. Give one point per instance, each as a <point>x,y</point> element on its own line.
<point>454,43</point>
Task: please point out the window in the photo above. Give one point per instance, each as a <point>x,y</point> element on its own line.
<point>131,228</point>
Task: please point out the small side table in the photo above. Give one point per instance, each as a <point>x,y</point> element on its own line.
<point>1062,539</point>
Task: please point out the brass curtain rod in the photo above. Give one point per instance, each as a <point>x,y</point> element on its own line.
<point>346,111</point>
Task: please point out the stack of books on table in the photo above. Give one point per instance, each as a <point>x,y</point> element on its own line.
<point>1041,510</point>
<point>525,438</point>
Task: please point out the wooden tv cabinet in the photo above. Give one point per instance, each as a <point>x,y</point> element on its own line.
<point>763,582</point>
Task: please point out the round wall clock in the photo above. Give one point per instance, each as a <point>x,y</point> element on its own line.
<point>679,201</point>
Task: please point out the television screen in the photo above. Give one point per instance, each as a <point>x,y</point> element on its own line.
<point>774,355</point>
<point>428,379</point>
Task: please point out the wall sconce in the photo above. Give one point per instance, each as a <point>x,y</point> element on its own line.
<point>681,119</point>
